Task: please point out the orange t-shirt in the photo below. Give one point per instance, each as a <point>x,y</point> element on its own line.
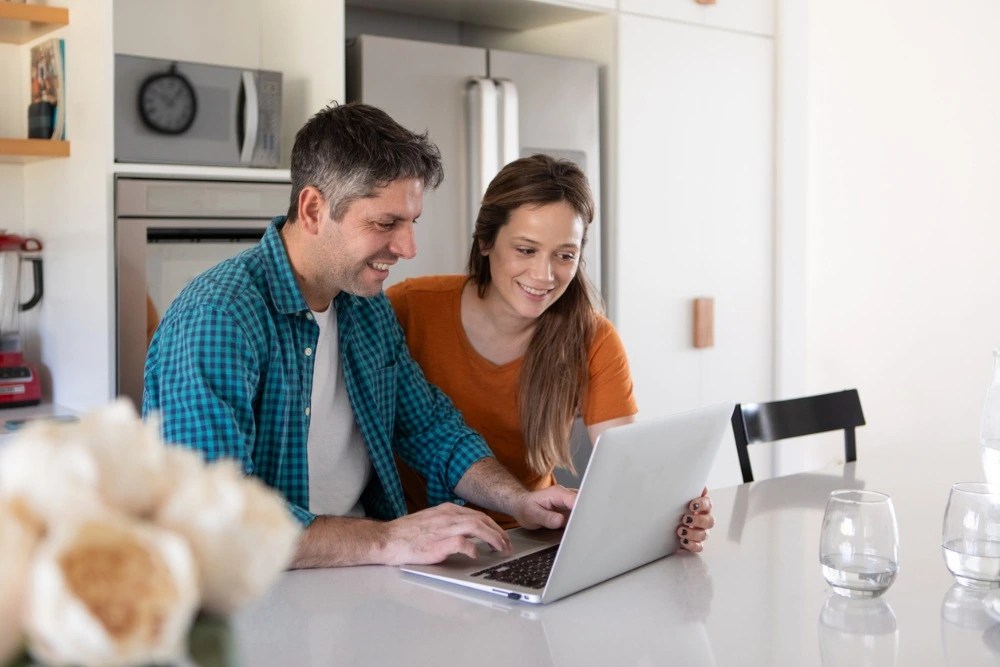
<point>429,310</point>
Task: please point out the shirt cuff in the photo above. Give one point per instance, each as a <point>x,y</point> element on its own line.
<point>471,449</point>
<point>304,517</point>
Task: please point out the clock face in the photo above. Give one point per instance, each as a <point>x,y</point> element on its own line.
<point>167,103</point>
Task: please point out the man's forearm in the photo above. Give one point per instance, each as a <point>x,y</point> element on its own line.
<point>332,541</point>
<point>488,484</point>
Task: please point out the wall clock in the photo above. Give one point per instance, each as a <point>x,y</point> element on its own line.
<point>167,102</point>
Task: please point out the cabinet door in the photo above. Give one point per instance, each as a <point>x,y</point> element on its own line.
<point>694,214</point>
<point>756,16</point>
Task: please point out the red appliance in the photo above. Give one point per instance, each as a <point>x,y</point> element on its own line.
<point>19,384</point>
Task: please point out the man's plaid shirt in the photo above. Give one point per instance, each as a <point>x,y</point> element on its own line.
<point>230,372</point>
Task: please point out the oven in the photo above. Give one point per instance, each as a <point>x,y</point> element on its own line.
<point>166,233</point>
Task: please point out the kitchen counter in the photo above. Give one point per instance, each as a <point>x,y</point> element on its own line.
<point>756,596</point>
<point>40,411</point>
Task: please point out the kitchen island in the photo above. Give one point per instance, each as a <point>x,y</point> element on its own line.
<point>754,597</point>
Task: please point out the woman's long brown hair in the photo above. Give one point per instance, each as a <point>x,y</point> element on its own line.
<point>554,373</point>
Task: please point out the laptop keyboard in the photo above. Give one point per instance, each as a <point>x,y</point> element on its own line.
<point>530,571</point>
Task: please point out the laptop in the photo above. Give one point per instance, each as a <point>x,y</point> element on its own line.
<point>637,485</point>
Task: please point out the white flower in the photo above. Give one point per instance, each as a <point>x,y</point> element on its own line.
<point>129,456</point>
<point>18,537</point>
<point>52,472</point>
<point>110,592</point>
<point>240,531</point>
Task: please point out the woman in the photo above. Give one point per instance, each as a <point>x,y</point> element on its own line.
<point>519,344</point>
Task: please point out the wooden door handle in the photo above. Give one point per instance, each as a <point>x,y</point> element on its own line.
<point>704,325</point>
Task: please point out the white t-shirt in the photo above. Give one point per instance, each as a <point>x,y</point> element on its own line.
<point>339,467</point>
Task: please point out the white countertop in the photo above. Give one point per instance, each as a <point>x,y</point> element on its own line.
<point>39,411</point>
<point>755,597</point>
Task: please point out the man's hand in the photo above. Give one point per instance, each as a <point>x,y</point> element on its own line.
<point>433,534</point>
<point>693,529</point>
<point>426,537</point>
<point>548,508</point>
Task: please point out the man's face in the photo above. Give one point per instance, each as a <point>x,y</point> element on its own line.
<point>354,254</point>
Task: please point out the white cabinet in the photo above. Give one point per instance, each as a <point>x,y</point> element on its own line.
<point>754,16</point>
<point>694,211</point>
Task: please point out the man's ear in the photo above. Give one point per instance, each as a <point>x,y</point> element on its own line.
<point>311,210</point>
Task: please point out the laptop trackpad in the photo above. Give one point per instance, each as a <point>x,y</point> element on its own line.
<point>522,541</point>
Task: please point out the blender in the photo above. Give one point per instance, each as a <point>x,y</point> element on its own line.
<point>19,384</point>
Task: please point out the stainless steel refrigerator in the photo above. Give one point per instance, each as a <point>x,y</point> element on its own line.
<point>483,108</point>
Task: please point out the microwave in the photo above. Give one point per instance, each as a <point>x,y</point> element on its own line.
<point>174,112</point>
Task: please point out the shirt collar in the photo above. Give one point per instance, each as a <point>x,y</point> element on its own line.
<point>285,292</point>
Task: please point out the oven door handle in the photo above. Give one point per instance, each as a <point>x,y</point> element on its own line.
<point>251,116</point>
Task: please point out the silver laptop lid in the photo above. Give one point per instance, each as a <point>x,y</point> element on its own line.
<point>637,486</point>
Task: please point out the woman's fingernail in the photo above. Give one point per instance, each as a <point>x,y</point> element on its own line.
<point>688,519</point>
<point>684,531</point>
<point>685,540</point>
<point>696,507</point>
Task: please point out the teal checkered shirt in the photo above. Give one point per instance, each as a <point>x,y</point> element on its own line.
<point>230,372</point>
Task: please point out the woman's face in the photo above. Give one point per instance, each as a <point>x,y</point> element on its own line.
<point>534,258</point>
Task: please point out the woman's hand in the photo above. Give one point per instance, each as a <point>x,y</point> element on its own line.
<point>693,529</point>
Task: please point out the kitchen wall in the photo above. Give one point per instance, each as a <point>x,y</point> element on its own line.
<point>11,198</point>
<point>14,98</point>
<point>904,213</point>
<point>13,122</point>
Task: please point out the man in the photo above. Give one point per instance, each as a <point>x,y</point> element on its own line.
<point>289,359</point>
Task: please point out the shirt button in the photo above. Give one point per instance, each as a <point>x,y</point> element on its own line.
<point>309,316</point>
<point>307,412</point>
<point>309,351</point>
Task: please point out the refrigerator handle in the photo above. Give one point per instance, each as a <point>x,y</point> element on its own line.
<point>251,115</point>
<point>481,119</point>
<point>507,110</point>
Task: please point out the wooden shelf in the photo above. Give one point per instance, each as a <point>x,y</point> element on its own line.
<point>29,150</point>
<point>20,23</point>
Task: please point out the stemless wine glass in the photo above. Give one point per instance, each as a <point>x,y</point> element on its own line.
<point>859,543</point>
<point>970,538</point>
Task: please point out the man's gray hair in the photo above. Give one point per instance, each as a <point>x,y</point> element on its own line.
<point>347,151</point>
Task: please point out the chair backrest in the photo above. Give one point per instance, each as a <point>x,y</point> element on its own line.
<point>778,420</point>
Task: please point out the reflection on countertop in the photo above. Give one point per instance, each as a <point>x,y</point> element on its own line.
<point>589,628</point>
<point>969,635</point>
<point>858,633</point>
<point>809,491</point>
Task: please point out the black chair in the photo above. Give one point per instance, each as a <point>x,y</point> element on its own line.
<point>778,420</point>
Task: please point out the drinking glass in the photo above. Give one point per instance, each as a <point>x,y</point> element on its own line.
<point>970,538</point>
<point>859,543</point>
